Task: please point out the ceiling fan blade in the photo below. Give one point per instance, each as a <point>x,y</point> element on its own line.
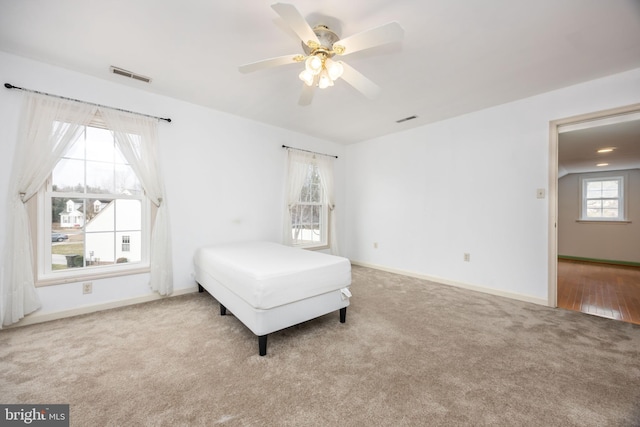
<point>296,21</point>
<point>386,33</point>
<point>268,63</point>
<point>307,95</point>
<point>360,82</point>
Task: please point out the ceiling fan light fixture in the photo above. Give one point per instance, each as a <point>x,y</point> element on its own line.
<point>324,81</point>
<point>306,76</point>
<point>319,45</point>
<point>334,68</point>
<point>313,64</point>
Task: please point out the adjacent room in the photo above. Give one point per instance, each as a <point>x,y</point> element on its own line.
<point>457,249</point>
<point>598,171</point>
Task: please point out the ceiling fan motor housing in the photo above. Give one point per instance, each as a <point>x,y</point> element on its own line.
<point>326,37</point>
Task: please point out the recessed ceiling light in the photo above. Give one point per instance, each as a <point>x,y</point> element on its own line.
<point>606,150</point>
<point>602,164</point>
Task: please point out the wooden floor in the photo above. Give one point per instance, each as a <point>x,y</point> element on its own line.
<point>600,289</point>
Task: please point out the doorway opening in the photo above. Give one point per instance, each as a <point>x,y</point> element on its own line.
<point>588,249</point>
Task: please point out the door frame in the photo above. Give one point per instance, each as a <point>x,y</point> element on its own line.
<point>554,125</point>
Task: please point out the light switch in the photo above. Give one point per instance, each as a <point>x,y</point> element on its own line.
<point>540,193</point>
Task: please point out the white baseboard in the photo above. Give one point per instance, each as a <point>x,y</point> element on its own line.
<point>36,317</point>
<point>491,291</point>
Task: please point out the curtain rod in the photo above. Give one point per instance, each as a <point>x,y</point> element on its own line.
<point>10,86</point>
<point>309,151</point>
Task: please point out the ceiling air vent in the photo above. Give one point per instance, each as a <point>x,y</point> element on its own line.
<point>131,75</point>
<point>406,118</point>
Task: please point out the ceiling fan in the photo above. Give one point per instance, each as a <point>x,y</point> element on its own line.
<point>320,45</point>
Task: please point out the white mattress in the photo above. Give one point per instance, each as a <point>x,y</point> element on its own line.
<point>267,275</point>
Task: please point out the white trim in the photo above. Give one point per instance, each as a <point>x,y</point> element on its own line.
<point>34,318</point>
<point>91,273</point>
<point>552,232</point>
<point>468,286</point>
<point>606,120</point>
<point>607,221</point>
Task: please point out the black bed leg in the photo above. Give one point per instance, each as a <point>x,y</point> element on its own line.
<point>343,314</point>
<point>200,288</point>
<point>223,310</point>
<point>262,345</point>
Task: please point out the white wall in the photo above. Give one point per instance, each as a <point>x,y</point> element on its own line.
<point>601,241</point>
<point>224,175</point>
<point>427,195</point>
<point>468,185</point>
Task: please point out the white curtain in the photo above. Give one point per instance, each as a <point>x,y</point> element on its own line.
<point>136,137</point>
<point>297,170</point>
<point>325,169</point>
<point>47,130</point>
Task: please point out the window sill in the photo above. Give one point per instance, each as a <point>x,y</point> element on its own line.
<point>316,248</point>
<point>312,248</point>
<point>50,280</point>
<point>603,221</point>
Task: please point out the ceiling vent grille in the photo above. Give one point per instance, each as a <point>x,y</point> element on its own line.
<point>406,118</point>
<point>131,75</point>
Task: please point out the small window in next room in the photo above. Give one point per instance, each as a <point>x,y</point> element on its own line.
<point>603,199</point>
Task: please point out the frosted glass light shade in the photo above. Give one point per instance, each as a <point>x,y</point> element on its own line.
<point>334,68</point>
<point>307,77</point>
<point>324,81</point>
<point>313,64</point>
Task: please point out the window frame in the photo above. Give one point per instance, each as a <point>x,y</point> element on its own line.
<point>41,215</point>
<point>622,199</point>
<point>324,217</point>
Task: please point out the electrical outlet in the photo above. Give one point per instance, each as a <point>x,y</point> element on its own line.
<point>467,257</point>
<point>87,287</point>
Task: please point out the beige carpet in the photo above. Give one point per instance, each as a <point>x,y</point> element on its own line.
<point>411,353</point>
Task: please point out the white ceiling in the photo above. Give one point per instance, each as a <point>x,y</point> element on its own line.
<point>578,149</point>
<point>457,56</point>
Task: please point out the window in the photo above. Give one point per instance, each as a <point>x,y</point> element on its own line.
<point>603,199</point>
<point>309,219</point>
<point>95,210</point>
<point>309,216</point>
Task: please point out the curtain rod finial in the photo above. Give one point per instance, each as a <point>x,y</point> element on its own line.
<point>8,85</point>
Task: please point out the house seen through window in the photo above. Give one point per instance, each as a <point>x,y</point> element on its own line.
<point>126,243</point>
<point>96,206</point>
